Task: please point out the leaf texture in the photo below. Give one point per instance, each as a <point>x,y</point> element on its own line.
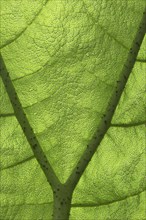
<point>64,58</point>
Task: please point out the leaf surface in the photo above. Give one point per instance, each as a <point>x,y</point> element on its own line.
<point>64,59</point>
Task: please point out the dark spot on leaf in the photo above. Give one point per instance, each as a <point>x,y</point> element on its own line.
<point>137,44</point>
<point>34,146</point>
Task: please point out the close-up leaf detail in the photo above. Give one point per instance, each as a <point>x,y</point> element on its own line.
<point>72,110</point>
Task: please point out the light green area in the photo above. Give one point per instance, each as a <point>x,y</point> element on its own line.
<point>64,58</point>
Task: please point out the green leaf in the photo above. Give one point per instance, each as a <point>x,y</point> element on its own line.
<point>65,59</point>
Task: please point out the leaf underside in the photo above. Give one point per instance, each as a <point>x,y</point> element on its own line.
<point>64,59</point>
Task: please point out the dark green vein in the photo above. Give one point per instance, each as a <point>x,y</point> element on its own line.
<point>18,163</point>
<point>20,34</point>
<point>141,60</point>
<point>26,127</point>
<point>32,74</point>
<point>106,119</point>
<point>7,115</point>
<point>133,124</point>
<point>77,205</point>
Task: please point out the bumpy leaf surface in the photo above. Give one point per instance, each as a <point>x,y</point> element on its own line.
<point>64,58</point>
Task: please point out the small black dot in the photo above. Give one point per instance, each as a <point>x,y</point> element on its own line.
<point>34,146</point>
<point>137,44</point>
